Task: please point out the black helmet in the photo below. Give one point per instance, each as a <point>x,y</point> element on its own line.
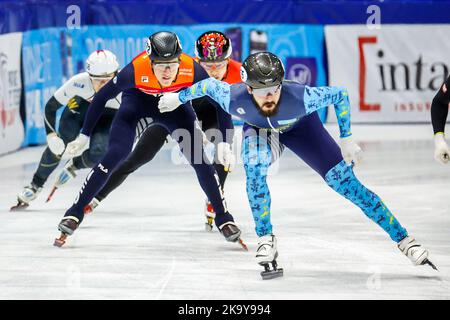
<point>163,46</point>
<point>213,46</point>
<point>261,70</point>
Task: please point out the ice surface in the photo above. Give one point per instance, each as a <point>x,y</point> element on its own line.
<point>147,240</point>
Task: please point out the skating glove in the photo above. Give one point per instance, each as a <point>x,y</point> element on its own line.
<point>351,152</point>
<point>77,146</point>
<point>55,144</point>
<point>169,102</point>
<point>226,156</point>
<point>441,149</point>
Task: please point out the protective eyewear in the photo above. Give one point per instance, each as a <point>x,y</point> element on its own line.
<point>163,66</point>
<point>103,77</point>
<point>262,92</point>
<point>214,65</point>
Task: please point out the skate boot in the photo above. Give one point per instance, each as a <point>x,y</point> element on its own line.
<point>210,215</point>
<point>91,206</point>
<point>415,252</point>
<point>68,173</point>
<point>232,233</point>
<point>67,226</point>
<point>266,254</point>
<point>28,194</point>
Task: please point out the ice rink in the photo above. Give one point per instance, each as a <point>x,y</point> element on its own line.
<point>147,240</point>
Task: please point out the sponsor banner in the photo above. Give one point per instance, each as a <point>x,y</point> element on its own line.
<point>11,125</point>
<point>299,46</point>
<point>44,59</point>
<point>392,73</point>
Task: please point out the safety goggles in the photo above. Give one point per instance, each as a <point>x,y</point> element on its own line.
<point>214,65</point>
<point>262,92</point>
<point>103,77</point>
<point>163,66</point>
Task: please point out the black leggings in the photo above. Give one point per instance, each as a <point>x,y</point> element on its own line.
<point>149,144</point>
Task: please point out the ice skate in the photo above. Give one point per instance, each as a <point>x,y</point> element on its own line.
<point>67,226</point>
<point>232,233</point>
<point>210,215</point>
<point>266,254</point>
<point>28,194</point>
<point>68,173</point>
<point>91,206</point>
<point>415,252</point>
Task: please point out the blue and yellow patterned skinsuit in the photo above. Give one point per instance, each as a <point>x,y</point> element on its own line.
<point>296,126</point>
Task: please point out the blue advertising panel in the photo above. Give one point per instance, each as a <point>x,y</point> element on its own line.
<point>42,75</point>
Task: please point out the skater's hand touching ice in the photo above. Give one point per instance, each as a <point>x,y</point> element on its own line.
<point>77,146</point>
<point>55,144</point>
<point>441,149</point>
<point>226,156</point>
<point>169,102</point>
<point>351,152</point>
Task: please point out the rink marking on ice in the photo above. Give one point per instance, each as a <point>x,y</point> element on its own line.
<point>165,280</point>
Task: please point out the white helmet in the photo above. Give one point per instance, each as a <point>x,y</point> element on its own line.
<point>101,63</point>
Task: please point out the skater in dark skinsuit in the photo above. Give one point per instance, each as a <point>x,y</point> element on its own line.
<point>213,50</point>
<point>162,68</point>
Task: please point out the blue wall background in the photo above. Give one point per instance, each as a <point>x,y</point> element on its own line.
<point>25,15</point>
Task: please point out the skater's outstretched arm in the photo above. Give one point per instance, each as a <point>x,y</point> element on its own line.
<point>439,113</point>
<point>66,96</point>
<point>50,110</point>
<point>224,120</point>
<point>316,98</point>
<point>122,81</point>
<point>439,107</point>
<point>321,97</point>
<point>217,90</point>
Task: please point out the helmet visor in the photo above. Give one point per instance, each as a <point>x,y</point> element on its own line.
<point>214,65</point>
<point>161,67</point>
<point>262,92</point>
<point>104,76</point>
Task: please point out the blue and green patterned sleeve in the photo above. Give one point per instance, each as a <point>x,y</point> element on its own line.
<point>217,90</point>
<point>321,97</point>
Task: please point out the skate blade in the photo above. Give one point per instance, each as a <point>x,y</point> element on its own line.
<point>244,246</point>
<point>51,194</point>
<point>19,207</point>
<point>272,274</point>
<point>60,241</point>
<point>428,262</point>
